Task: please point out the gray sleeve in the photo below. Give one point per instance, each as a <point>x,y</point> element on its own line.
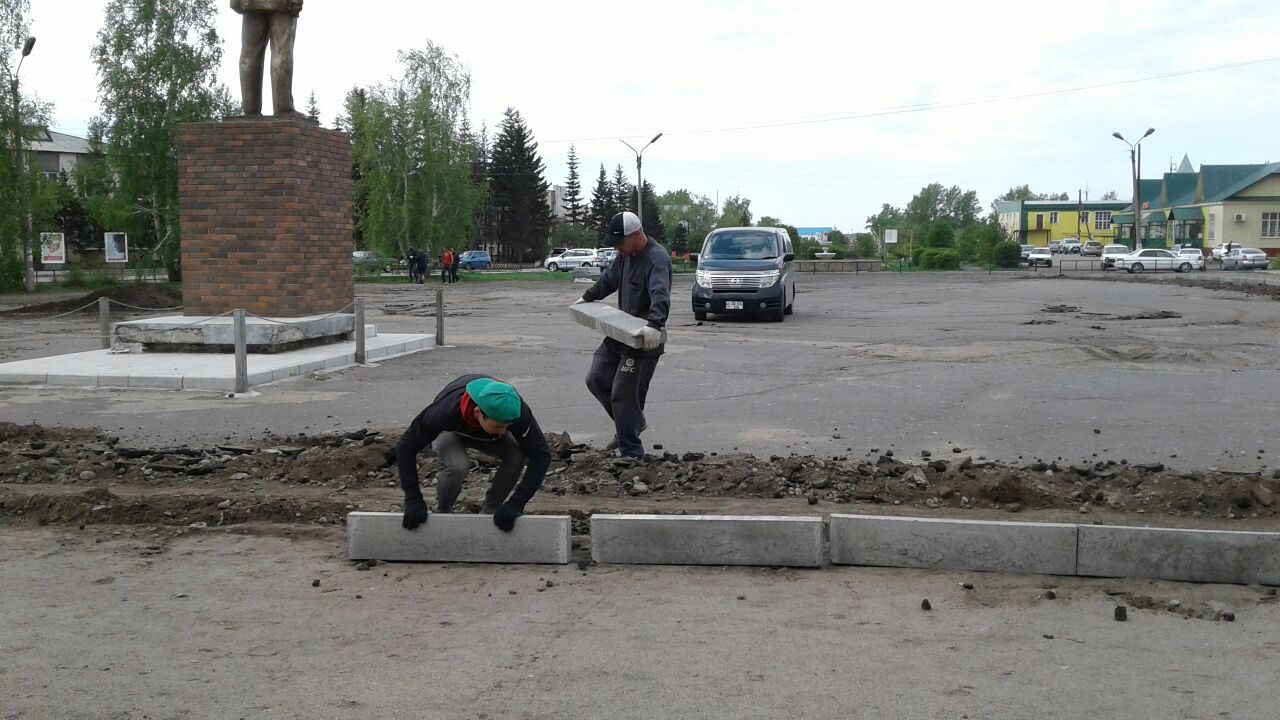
<point>659,283</point>
<point>607,284</point>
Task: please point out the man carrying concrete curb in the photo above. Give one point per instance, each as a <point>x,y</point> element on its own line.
<point>619,376</point>
<point>484,414</point>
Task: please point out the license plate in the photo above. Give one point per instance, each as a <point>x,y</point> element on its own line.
<point>733,305</point>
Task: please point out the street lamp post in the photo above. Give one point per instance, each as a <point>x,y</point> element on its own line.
<point>639,178</point>
<point>20,163</point>
<point>1135,162</point>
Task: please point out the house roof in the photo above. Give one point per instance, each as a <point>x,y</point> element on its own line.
<point>50,141</point>
<point>1179,189</point>
<point>1185,167</point>
<point>1244,182</point>
<point>803,231</point>
<point>1222,181</point>
<point>1150,194</point>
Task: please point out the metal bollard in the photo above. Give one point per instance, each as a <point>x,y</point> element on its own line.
<point>360,353</point>
<point>104,321</point>
<point>440,317</point>
<point>242,351</point>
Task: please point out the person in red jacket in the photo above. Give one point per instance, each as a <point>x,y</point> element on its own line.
<point>446,262</point>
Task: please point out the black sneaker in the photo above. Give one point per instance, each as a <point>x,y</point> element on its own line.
<point>613,444</point>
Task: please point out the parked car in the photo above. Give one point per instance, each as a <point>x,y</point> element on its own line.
<point>1110,253</point>
<point>1040,256</point>
<point>745,270</point>
<point>370,262</point>
<point>605,257</point>
<point>1194,254</point>
<point>1222,249</point>
<point>1153,259</point>
<point>570,259</point>
<point>474,260</point>
<point>1093,248</point>
<point>1026,251</point>
<point>1055,246</point>
<point>1245,259</point>
<point>1070,245</point>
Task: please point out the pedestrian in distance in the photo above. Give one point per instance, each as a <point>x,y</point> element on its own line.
<point>453,267</point>
<point>446,263</point>
<point>619,376</point>
<point>474,412</point>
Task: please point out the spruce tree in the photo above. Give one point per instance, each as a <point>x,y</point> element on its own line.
<point>313,110</point>
<point>624,193</point>
<point>600,211</point>
<point>519,191</point>
<point>652,220</point>
<point>575,213</point>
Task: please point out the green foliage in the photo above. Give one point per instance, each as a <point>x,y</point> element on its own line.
<point>976,242</point>
<point>313,110</point>
<point>575,213</point>
<point>1006,254</point>
<point>157,67</point>
<point>571,236</point>
<point>865,245</point>
<point>517,186</point>
<point>938,234</point>
<point>652,220</point>
<point>937,203</point>
<point>600,211</point>
<point>736,212</point>
<point>697,213</point>
<point>415,156</point>
<point>936,259</point>
<point>624,193</point>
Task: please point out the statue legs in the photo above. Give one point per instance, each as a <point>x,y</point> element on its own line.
<point>258,28</point>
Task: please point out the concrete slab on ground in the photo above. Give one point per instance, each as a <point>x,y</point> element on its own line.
<point>539,539</point>
<point>707,540</point>
<point>1218,556</point>
<point>220,330</point>
<point>974,545</point>
<point>198,371</point>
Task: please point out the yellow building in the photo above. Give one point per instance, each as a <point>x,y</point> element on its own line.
<point>1040,222</point>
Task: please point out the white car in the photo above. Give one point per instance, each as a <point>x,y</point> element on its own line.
<point>1221,249</point>
<point>1040,256</point>
<point>570,259</point>
<point>1069,245</point>
<point>1110,253</point>
<point>1153,259</point>
<point>1026,251</point>
<point>1193,254</point>
<point>1245,259</point>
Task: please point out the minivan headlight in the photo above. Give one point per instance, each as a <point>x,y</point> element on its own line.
<point>769,278</point>
<point>702,277</point>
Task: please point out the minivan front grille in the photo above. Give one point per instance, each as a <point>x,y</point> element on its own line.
<point>735,283</point>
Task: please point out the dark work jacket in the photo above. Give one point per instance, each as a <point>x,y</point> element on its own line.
<point>643,284</point>
<point>444,414</point>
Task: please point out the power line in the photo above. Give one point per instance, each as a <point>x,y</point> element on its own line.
<point>925,107</point>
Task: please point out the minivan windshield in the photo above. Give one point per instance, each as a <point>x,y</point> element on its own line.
<point>741,246</point>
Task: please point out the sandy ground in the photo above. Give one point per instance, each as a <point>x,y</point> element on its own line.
<point>220,625</point>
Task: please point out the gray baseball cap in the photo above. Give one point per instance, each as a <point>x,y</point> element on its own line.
<point>622,225</point>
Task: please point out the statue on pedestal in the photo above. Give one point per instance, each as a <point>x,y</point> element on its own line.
<point>275,21</point>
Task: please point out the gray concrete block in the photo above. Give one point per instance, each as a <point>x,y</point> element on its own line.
<point>24,378</point>
<point>207,383</point>
<point>71,380</point>
<point>706,540</point>
<point>543,539</point>
<point>155,383</point>
<point>260,332</point>
<point>113,381</point>
<point>611,322</point>
<point>1221,556</point>
<point>973,545</point>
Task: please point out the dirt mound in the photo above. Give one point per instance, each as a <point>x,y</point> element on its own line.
<point>71,475</point>
<point>150,296</point>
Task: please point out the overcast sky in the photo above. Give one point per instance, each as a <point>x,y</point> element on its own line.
<point>1011,93</point>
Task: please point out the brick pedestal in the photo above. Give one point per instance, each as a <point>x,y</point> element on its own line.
<point>266,217</point>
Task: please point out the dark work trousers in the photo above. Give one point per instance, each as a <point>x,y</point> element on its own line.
<point>444,273</point>
<point>453,271</point>
<point>620,381</point>
<point>451,448</point>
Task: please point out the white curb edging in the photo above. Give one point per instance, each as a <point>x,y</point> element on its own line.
<point>707,540</point>
<point>539,539</point>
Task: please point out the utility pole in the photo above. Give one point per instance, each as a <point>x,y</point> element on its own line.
<point>20,163</point>
<point>639,178</point>
<point>1135,161</point>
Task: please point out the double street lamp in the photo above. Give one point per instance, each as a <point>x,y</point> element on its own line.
<point>1135,162</point>
<point>640,179</point>
<point>19,158</point>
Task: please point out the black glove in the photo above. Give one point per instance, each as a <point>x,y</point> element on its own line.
<point>415,513</point>
<point>506,516</point>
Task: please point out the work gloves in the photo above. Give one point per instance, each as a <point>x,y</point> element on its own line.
<point>650,338</point>
<point>415,513</point>
<point>506,516</point>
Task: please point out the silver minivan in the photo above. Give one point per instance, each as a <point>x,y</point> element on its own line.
<point>745,270</point>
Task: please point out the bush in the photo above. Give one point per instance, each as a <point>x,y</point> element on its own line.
<point>12,275</point>
<point>939,259</point>
<point>1006,254</point>
<point>938,235</point>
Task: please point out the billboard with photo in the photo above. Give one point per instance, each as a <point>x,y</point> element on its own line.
<point>117,247</point>
<point>53,248</point>
<point>891,236</point>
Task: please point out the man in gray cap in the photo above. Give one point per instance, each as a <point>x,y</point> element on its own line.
<point>619,376</point>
